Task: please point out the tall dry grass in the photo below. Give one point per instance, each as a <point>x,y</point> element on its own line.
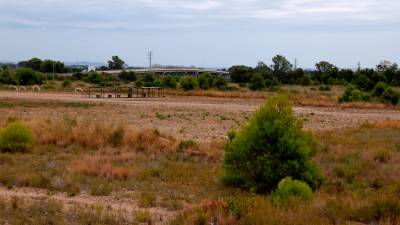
<point>220,94</point>
<point>94,135</point>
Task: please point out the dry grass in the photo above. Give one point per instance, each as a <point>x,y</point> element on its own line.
<point>221,94</point>
<point>102,166</point>
<point>388,123</point>
<point>361,166</point>
<point>300,96</point>
<point>45,212</point>
<point>70,131</point>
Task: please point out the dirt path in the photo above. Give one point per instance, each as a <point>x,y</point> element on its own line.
<point>125,206</point>
<point>199,118</point>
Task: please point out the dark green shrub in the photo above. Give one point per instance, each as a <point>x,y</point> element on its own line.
<point>7,78</point>
<point>288,188</point>
<point>188,83</point>
<point>93,78</point>
<point>269,83</point>
<point>16,137</point>
<point>27,76</point>
<point>270,147</point>
<point>170,82</point>
<point>148,78</point>
<point>205,81</point>
<point>158,83</point>
<point>351,93</point>
<point>127,76</point>
<point>379,88</point>
<point>390,96</point>
<point>363,82</point>
<point>305,81</point>
<point>66,83</point>
<point>257,82</point>
<point>139,83</point>
<point>220,83</point>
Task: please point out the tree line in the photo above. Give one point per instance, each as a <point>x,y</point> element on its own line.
<point>283,72</point>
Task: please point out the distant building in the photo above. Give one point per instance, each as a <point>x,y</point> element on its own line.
<point>91,68</point>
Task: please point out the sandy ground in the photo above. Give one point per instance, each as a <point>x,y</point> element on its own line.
<point>200,118</point>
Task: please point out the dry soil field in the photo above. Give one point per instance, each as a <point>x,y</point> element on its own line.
<point>74,181</point>
<point>191,117</point>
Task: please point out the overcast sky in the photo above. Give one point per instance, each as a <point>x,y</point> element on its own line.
<point>202,32</point>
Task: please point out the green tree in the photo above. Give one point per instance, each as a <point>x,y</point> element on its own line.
<point>264,70</point>
<point>6,77</point>
<point>27,76</point>
<point>50,66</point>
<point>188,83</point>
<point>94,78</point>
<point>241,74</point>
<point>33,63</point>
<point>257,82</point>
<point>281,68</point>
<point>270,147</point>
<point>170,82</point>
<point>116,63</point>
<point>220,83</point>
<point>66,83</point>
<point>206,81</point>
<point>127,76</point>
<point>326,71</point>
<point>346,75</point>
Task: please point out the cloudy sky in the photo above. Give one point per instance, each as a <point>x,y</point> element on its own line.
<point>202,32</point>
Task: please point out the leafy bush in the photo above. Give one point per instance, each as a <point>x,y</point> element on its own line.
<point>256,82</point>
<point>270,147</point>
<point>390,96</point>
<point>205,81</point>
<point>139,83</point>
<point>27,76</point>
<point>127,76</point>
<point>93,78</point>
<point>7,78</point>
<point>158,83</point>
<point>351,93</point>
<point>188,83</point>
<point>288,188</point>
<point>379,88</point>
<point>66,83</point>
<point>16,137</point>
<point>148,78</point>
<point>169,82</point>
<point>220,83</point>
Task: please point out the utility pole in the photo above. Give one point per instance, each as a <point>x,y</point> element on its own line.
<point>295,63</point>
<point>358,66</point>
<point>150,58</point>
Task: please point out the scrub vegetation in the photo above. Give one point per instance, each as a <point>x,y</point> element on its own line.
<point>269,171</point>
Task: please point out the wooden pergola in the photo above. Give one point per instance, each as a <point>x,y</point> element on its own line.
<point>126,92</point>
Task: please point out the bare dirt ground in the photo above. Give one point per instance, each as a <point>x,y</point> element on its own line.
<point>200,118</point>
